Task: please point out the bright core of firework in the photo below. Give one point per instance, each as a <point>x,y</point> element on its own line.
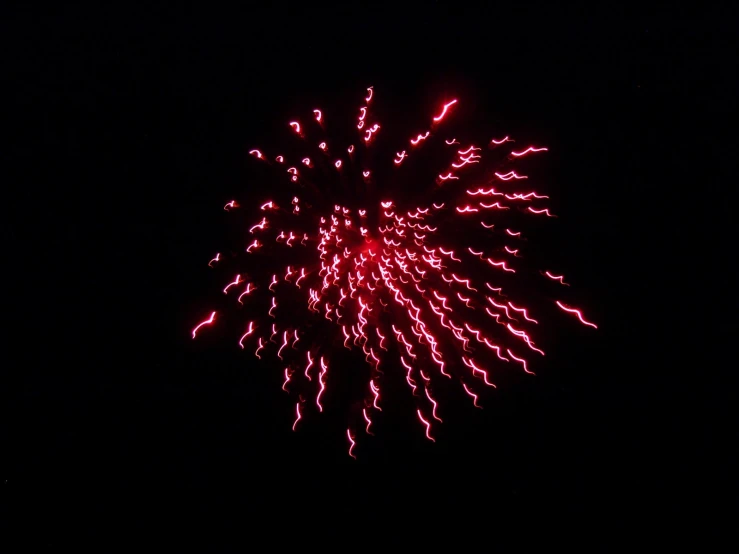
<point>402,291</point>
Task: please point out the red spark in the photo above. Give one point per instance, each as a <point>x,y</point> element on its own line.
<point>472,394</point>
<point>322,384</point>
<point>444,110</point>
<point>297,411</point>
<point>521,361</point>
<point>368,420</point>
<point>351,443</point>
<point>559,278</point>
<point>433,411</point>
<point>544,211</point>
<point>578,313</point>
<point>510,175</point>
<point>427,424</point>
<point>419,138</point>
<point>249,331</point>
<point>530,149</point>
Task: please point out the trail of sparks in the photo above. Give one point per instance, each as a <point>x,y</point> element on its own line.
<point>405,292</point>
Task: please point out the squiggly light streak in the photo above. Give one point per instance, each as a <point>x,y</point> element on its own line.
<point>427,424</point>
<point>473,395</point>
<point>206,322</point>
<point>559,278</point>
<point>578,313</point>
<point>351,444</point>
<point>444,110</point>
<point>368,420</point>
<point>297,411</point>
<point>406,263</point>
<point>530,149</point>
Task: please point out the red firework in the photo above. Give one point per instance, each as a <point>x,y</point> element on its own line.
<point>390,280</point>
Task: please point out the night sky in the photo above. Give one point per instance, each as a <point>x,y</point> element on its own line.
<point>133,132</point>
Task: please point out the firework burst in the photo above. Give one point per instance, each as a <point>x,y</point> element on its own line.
<point>416,284</point>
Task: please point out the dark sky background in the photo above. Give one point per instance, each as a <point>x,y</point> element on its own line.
<point>133,131</point>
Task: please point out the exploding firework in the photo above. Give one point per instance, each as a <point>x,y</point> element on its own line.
<point>413,278</point>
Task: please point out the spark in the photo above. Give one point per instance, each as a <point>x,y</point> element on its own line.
<point>297,411</point>
<point>322,384</point>
<point>368,420</point>
<point>433,411</point>
<point>351,443</point>
<point>578,313</point>
<point>473,395</point>
<point>559,278</point>
<point>249,331</point>
<point>398,279</point>
<point>444,110</point>
<point>206,322</point>
<point>260,346</point>
<point>510,175</point>
<point>521,361</point>
<point>544,211</point>
<point>235,282</point>
<point>419,138</point>
<point>530,149</point>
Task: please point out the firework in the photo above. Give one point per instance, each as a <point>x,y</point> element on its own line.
<point>415,284</point>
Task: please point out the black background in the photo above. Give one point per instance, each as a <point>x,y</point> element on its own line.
<point>132,131</point>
